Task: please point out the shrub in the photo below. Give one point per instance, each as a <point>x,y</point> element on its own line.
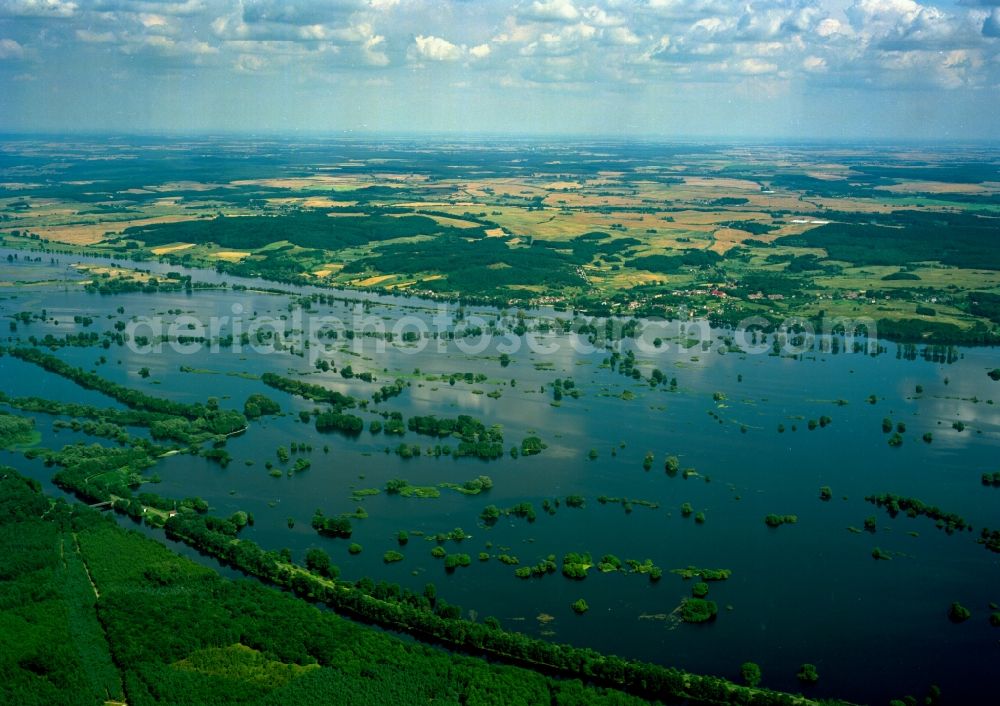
<point>807,674</point>
<point>958,613</point>
<point>750,671</point>
<point>698,610</point>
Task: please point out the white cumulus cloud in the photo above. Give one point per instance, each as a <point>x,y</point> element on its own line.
<point>9,49</point>
<point>552,10</point>
<point>480,51</point>
<point>38,8</point>
<point>436,49</point>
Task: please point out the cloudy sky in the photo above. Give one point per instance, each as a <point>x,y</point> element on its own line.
<point>828,69</point>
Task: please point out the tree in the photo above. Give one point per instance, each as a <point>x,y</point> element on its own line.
<point>318,561</point>
<point>698,610</point>
<point>531,445</point>
<point>144,372</point>
<point>258,405</point>
<point>430,592</point>
<point>455,560</point>
<point>579,606</point>
<point>958,613</point>
<point>807,674</point>
<point>490,514</point>
<point>750,671</point>
<point>332,526</point>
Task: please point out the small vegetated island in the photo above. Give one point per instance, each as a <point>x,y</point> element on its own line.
<point>15,430</point>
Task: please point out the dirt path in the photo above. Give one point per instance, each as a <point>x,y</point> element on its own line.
<point>86,569</point>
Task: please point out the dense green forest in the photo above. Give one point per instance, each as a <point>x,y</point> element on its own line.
<point>473,266</point>
<point>307,228</point>
<point>907,236</point>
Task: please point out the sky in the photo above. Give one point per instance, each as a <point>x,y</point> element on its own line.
<point>761,69</point>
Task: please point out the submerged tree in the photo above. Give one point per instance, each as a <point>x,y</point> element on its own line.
<point>807,674</point>
<point>750,671</point>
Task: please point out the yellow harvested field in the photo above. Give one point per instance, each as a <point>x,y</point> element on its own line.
<point>230,255</point>
<point>776,202</point>
<point>372,281</point>
<point>328,269</point>
<point>495,233</point>
<point>827,176</point>
<point>557,185</point>
<point>90,233</point>
<point>710,217</point>
<point>788,229</point>
<point>444,220</point>
<point>503,187</point>
<point>638,277</point>
<point>187,186</point>
<point>728,238</point>
<point>321,181</point>
<point>572,200</point>
<point>855,205</point>
<point>722,186</point>
<point>935,187</point>
<point>113,272</point>
<point>312,202</point>
<point>164,249</point>
<point>396,176</point>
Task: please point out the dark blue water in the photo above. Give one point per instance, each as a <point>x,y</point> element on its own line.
<point>808,592</point>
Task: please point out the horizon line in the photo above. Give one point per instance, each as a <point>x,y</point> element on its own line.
<point>466,136</point>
